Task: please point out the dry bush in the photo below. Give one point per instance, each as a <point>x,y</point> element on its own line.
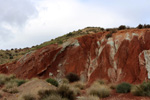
<point>54,97</point>
<point>46,93</point>
<point>102,81</point>
<point>1,96</point>
<point>75,90</point>
<point>64,81</point>
<point>141,90</point>
<point>28,97</point>
<point>65,91</point>
<point>89,98</point>
<point>112,86</point>
<point>5,78</point>
<point>99,90</point>
<point>10,87</point>
<point>79,85</point>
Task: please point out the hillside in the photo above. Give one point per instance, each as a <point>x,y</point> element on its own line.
<point>7,56</point>
<point>120,55</point>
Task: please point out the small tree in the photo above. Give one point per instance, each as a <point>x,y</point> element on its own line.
<point>122,27</point>
<point>140,26</point>
<point>52,81</point>
<point>72,77</point>
<point>123,88</point>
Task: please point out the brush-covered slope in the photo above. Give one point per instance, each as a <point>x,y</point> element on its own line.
<point>124,56</point>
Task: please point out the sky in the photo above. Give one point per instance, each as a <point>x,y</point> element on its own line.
<point>25,23</point>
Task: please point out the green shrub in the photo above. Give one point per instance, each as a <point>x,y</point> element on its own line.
<point>20,82</point>
<point>52,81</point>
<point>29,97</point>
<point>140,26</point>
<point>123,88</point>
<point>108,35</point>
<point>66,92</point>
<point>72,77</point>
<point>141,90</point>
<point>121,27</point>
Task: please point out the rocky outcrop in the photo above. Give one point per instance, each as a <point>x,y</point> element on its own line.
<point>123,57</point>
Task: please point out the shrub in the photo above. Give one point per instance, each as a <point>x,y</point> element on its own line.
<point>112,86</point>
<point>75,90</point>
<point>123,88</point>
<point>46,93</point>
<point>29,97</point>
<point>65,81</point>
<point>108,35</point>
<point>121,27</point>
<point>140,26</point>
<point>6,78</point>
<point>89,98</point>
<point>52,81</point>
<point>20,82</point>
<point>79,85</point>
<point>54,97</point>
<point>1,96</point>
<point>72,77</point>
<point>99,90</point>
<point>101,81</point>
<point>141,90</point>
<point>66,92</point>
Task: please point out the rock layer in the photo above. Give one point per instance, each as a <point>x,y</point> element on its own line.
<point>123,57</point>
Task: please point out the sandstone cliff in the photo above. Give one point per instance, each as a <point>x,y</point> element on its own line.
<point>123,57</point>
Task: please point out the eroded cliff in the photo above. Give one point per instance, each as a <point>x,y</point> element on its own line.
<point>123,57</point>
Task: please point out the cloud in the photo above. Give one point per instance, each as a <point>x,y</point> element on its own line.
<point>58,17</point>
<point>16,12</point>
<point>14,15</point>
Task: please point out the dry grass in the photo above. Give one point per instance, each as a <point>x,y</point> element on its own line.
<point>99,90</point>
<point>112,86</point>
<point>79,85</point>
<point>88,98</point>
<point>28,97</point>
<point>54,97</point>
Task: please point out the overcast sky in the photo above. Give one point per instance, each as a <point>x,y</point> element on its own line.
<point>24,23</point>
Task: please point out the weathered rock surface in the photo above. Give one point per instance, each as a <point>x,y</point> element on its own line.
<point>123,57</point>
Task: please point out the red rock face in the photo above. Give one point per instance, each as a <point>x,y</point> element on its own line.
<point>123,57</point>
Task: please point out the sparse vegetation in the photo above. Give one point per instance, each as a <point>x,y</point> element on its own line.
<point>10,83</point>
<point>89,98</point>
<point>140,26</point>
<point>66,92</point>
<point>121,27</point>
<point>110,33</point>
<point>79,85</point>
<point>123,87</point>
<point>72,77</point>
<point>46,93</point>
<point>52,81</point>
<point>29,97</point>
<point>98,90</point>
<point>1,96</point>
<point>141,90</point>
